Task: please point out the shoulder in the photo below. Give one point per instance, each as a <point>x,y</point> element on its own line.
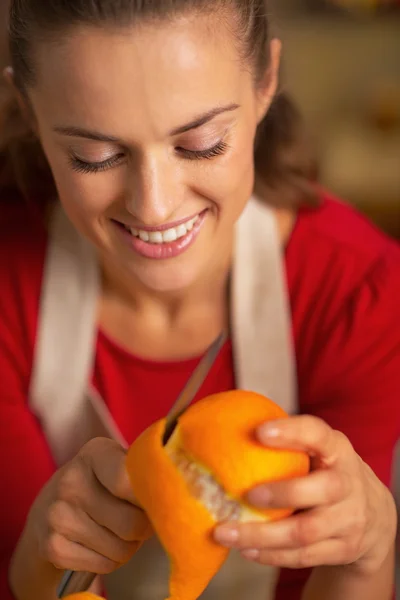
<point>335,253</point>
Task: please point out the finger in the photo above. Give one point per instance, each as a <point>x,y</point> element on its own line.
<point>306,433</point>
<point>76,526</point>
<point>327,552</point>
<point>120,517</point>
<point>78,486</point>
<point>316,489</point>
<point>64,554</point>
<point>298,530</point>
<point>107,459</point>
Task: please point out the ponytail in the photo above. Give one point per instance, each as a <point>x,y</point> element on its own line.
<point>286,168</point>
<point>24,171</point>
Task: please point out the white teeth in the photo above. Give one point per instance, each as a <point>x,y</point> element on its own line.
<point>155,237</point>
<point>181,231</point>
<point>170,235</point>
<point>167,236</point>
<point>144,236</point>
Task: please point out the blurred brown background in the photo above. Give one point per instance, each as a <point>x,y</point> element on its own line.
<point>342,63</point>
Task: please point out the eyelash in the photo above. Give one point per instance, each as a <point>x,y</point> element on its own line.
<point>82,166</point>
<point>208,154</point>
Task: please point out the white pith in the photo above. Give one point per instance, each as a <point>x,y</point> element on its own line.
<point>203,486</point>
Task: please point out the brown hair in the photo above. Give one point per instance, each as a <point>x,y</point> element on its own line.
<point>284,165</point>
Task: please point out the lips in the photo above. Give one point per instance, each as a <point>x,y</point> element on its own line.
<point>166,242</point>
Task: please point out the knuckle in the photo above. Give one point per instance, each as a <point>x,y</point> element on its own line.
<point>352,549</point>
<point>315,430</point>
<point>307,423</point>
<point>71,482</point>
<point>323,434</point>
<point>359,521</point>
<point>125,552</point>
<point>249,537</point>
<point>54,550</point>
<point>335,486</point>
<point>304,558</point>
<point>128,525</point>
<point>92,446</point>
<point>287,493</point>
<point>59,517</point>
<point>306,531</point>
<point>342,441</point>
<point>105,566</point>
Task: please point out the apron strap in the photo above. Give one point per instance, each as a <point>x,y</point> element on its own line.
<point>261,316</point>
<point>65,342</point>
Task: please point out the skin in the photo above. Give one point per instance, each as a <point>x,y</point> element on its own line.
<point>137,86</point>
<point>148,95</point>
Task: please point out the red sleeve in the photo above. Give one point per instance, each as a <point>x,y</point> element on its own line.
<point>356,378</point>
<point>26,460</point>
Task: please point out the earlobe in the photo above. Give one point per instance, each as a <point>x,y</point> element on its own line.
<point>23,103</point>
<point>269,85</point>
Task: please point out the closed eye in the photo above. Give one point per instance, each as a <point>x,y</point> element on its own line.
<point>209,153</point>
<point>81,166</point>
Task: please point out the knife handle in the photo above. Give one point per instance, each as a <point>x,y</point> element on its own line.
<point>74,582</point>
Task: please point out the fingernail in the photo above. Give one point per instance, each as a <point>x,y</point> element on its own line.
<point>226,536</point>
<point>251,554</point>
<point>260,497</point>
<point>268,432</point>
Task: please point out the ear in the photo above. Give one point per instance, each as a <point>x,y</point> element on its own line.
<point>269,84</point>
<point>22,100</point>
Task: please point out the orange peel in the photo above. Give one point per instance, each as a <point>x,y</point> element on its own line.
<point>202,477</point>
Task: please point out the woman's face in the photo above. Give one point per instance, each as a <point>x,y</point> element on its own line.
<point>149,133</point>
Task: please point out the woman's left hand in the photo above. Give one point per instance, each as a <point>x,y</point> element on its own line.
<point>347,515</point>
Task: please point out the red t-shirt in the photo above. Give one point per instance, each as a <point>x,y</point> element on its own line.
<point>344,284</point>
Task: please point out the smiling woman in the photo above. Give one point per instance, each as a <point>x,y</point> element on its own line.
<point>155,190</point>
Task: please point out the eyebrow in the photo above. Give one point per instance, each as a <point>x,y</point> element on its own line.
<point>101,137</point>
<point>203,119</point>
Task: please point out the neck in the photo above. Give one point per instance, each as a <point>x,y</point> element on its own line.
<point>208,291</point>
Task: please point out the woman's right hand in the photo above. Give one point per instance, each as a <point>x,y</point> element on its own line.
<point>85,518</point>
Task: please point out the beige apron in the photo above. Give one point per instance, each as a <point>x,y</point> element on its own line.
<point>71,412</point>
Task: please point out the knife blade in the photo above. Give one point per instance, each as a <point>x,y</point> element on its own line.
<point>76,581</point>
<point>193,385</point>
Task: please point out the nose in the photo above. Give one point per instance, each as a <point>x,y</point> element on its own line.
<point>155,190</point>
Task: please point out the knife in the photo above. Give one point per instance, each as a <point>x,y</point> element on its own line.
<point>76,581</point>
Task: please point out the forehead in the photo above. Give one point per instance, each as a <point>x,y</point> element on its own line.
<point>148,75</point>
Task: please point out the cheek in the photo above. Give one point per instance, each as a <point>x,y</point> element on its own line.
<point>86,195</point>
<point>92,194</point>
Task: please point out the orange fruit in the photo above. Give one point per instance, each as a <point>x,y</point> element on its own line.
<point>201,477</point>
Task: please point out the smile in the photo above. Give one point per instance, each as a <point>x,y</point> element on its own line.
<point>166,241</point>
<point>166,236</point>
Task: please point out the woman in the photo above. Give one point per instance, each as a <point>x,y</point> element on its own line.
<point>148,114</point>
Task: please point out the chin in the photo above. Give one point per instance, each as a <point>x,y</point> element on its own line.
<point>165,278</point>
